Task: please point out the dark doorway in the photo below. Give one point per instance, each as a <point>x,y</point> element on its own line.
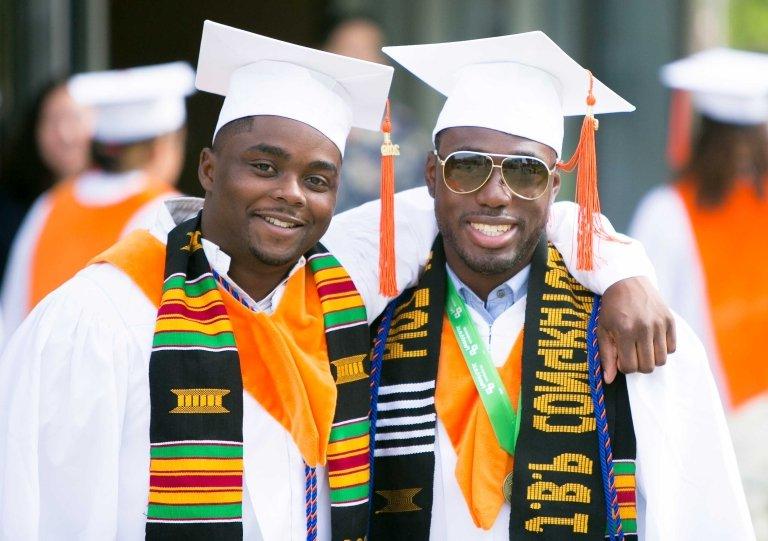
<point>152,31</point>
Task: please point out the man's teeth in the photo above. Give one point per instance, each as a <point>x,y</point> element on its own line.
<point>491,230</point>
<point>279,223</point>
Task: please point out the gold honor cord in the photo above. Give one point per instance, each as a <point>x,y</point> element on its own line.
<point>504,420</point>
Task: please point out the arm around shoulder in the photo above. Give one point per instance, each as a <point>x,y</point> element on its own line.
<point>353,238</point>
<point>616,257</point>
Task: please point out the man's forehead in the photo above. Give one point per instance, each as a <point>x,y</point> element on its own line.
<point>275,131</point>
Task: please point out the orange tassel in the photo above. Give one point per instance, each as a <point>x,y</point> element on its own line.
<point>387,272</point>
<point>584,159</point>
<point>679,136</point>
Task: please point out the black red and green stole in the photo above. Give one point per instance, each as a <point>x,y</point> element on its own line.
<point>574,466</point>
<point>196,392</point>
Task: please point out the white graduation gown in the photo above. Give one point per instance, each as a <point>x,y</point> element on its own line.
<point>93,188</point>
<point>74,392</point>
<point>673,251</point>
<point>688,487</point>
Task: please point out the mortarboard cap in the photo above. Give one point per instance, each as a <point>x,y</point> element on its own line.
<point>726,84</point>
<point>137,103</point>
<point>521,84</point>
<point>264,76</point>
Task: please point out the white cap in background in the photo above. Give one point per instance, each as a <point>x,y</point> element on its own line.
<point>137,103</point>
<point>726,84</point>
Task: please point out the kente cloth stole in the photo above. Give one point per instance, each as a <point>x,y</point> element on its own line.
<point>576,442</point>
<point>196,392</point>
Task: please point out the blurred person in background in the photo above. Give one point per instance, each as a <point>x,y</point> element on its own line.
<point>53,143</point>
<point>705,233</point>
<point>360,37</point>
<point>137,153</point>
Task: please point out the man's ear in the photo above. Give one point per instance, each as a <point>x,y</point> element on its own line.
<point>430,173</point>
<point>206,168</point>
<point>555,186</point>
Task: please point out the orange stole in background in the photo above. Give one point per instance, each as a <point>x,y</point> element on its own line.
<point>283,357</point>
<point>732,249</point>
<point>73,233</point>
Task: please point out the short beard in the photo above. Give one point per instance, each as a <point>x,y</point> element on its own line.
<point>270,260</point>
<point>488,263</point>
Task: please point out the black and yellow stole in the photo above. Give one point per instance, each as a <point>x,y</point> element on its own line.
<point>574,464</point>
<point>196,393</point>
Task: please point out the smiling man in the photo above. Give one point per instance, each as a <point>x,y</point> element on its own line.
<point>187,373</point>
<point>208,379</point>
<point>493,421</point>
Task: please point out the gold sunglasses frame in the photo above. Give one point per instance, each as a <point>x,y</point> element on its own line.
<point>442,162</point>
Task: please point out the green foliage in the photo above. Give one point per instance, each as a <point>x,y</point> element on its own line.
<point>749,24</point>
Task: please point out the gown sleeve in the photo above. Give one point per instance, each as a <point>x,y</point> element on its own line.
<point>616,257</point>
<point>63,392</point>
<point>687,479</point>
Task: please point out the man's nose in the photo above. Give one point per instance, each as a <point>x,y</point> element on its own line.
<point>495,192</point>
<point>290,190</point>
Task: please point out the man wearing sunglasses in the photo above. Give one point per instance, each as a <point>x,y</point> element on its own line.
<point>493,421</point>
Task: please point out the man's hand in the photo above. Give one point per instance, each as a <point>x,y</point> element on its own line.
<point>636,329</point>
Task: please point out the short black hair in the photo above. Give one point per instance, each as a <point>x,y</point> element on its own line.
<point>234,127</point>
<point>438,136</point>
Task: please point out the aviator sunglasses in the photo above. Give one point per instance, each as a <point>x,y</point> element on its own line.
<point>466,171</point>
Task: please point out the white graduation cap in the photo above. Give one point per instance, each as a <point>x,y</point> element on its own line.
<point>137,103</point>
<point>264,76</point>
<point>726,84</point>
<point>521,84</point>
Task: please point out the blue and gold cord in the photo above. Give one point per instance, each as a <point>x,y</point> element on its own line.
<point>614,531</point>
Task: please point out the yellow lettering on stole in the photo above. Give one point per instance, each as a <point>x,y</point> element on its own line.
<point>562,382</point>
<point>409,322</point>
<point>575,338</point>
<point>544,423</point>
<point>576,301</point>
<point>578,523</point>
<point>407,335</point>
<point>570,404</point>
<point>561,359</point>
<point>397,350</point>
<point>567,463</point>
<point>552,492</point>
<point>562,399</point>
<point>563,317</point>
<point>557,279</point>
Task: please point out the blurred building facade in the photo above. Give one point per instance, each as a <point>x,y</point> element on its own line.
<point>624,43</point>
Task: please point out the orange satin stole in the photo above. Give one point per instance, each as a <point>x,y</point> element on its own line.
<point>731,242</point>
<point>481,464</point>
<point>73,233</point>
<point>283,356</point>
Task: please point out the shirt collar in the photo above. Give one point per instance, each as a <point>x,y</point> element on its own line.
<point>499,300</point>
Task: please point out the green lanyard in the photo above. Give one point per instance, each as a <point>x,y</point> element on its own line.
<point>504,420</point>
